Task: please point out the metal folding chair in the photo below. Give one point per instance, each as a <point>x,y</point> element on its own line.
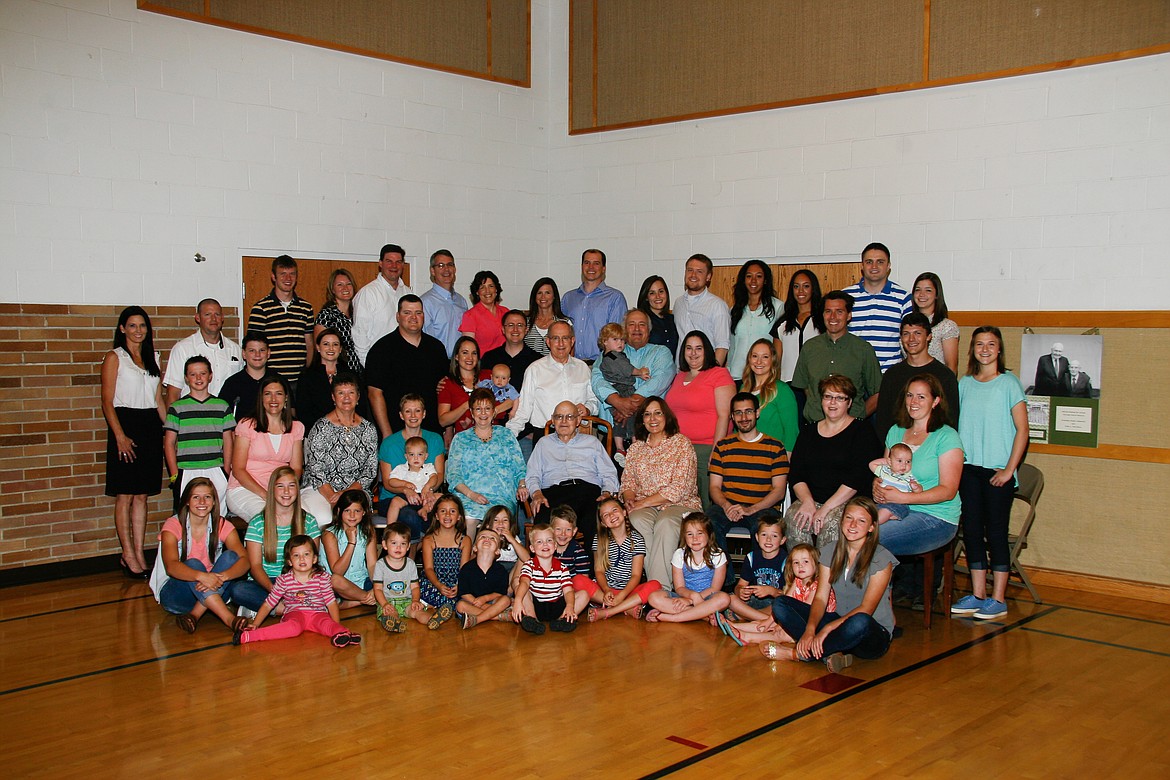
<point>1031,485</point>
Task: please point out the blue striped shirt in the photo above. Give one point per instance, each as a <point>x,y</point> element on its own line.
<point>877,318</point>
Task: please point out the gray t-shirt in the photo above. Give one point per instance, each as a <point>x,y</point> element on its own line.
<point>850,594</point>
<point>395,582</point>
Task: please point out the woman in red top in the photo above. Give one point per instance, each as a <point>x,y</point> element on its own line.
<point>455,389</point>
<point>700,397</point>
<point>484,320</point>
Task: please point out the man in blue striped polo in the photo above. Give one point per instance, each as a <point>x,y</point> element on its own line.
<point>879,306</point>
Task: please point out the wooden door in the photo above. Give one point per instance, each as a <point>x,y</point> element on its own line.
<point>832,276</point>
<point>312,278</point>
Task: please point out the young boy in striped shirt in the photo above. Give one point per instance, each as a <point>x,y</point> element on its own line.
<point>545,592</point>
<point>197,438</point>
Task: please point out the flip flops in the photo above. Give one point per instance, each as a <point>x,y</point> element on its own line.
<point>728,629</point>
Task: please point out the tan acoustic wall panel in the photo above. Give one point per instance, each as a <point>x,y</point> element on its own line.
<point>484,38</point>
<point>662,58</point>
<point>651,61</point>
<point>992,36</point>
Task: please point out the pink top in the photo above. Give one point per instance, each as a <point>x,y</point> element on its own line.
<point>805,593</point>
<point>262,458</point>
<point>456,395</point>
<point>488,328</point>
<point>694,404</point>
<point>198,548</point>
<point>668,468</point>
<point>313,596</point>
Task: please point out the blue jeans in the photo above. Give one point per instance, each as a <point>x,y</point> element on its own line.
<point>860,634</point>
<point>986,511</point>
<point>407,514</point>
<point>179,596</point>
<point>915,534</point>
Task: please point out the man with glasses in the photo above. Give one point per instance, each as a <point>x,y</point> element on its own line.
<point>554,378</point>
<point>748,472</point>
<point>570,468</point>
<point>837,351</point>
<point>444,308</point>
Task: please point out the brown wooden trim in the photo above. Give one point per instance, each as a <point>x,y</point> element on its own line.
<point>1091,583</point>
<point>572,48</point>
<point>882,90</point>
<point>1064,319</point>
<point>1106,452</point>
<point>595,98</point>
<point>926,40</point>
<point>205,19</point>
<point>528,44</point>
<point>488,31</point>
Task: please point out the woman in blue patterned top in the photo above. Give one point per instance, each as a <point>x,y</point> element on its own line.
<point>485,466</point>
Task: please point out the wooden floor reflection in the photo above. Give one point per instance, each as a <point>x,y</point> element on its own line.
<point>96,681</point>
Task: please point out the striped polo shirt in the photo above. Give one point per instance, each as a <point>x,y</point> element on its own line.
<point>877,318</point>
<point>199,427</point>
<point>546,585</point>
<point>748,467</point>
<point>285,327</point>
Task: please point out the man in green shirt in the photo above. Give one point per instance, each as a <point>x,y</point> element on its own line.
<point>837,351</point>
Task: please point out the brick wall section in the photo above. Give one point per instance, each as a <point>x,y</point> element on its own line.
<point>52,434</point>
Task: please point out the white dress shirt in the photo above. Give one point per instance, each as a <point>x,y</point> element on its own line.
<point>546,384</point>
<point>375,313</point>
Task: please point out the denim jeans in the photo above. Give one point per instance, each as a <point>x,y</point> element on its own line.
<point>860,634</point>
<point>916,533</point>
<point>407,514</point>
<point>722,525</point>
<point>179,596</point>
<point>986,511</point>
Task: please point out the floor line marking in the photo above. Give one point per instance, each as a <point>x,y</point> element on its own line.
<point>687,742</point>
<point>75,608</point>
<point>1097,642</point>
<point>132,664</point>
<point>769,727</point>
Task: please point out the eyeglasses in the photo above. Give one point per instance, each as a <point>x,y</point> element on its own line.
<point>835,399</point>
<point>560,417</point>
<point>443,265</point>
<point>744,413</point>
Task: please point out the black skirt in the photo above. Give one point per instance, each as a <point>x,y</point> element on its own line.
<point>143,475</point>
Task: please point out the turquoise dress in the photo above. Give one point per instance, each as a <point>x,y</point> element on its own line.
<point>493,468</point>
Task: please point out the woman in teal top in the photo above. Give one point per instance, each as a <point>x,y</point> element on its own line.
<point>779,416</point>
<point>486,466</point>
<point>995,430</point>
<point>928,519</point>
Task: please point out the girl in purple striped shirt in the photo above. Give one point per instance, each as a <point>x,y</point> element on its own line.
<point>307,592</point>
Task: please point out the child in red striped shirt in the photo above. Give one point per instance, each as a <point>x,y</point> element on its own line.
<point>307,592</point>
<point>545,591</point>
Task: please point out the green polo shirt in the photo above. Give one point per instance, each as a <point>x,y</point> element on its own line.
<point>849,356</point>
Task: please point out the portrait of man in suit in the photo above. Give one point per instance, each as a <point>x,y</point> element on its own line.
<point>1051,372</point>
<point>1077,383</point>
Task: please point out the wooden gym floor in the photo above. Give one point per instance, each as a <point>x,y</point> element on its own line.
<point>95,681</point>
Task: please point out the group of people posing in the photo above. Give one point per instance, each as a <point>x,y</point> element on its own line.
<point>823,423</point>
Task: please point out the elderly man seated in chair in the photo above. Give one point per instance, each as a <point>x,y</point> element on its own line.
<point>570,468</point>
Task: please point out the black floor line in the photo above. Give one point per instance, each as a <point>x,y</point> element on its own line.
<point>77,607</point>
<point>1097,642</point>
<point>132,664</point>
<point>1112,614</point>
<point>768,727</point>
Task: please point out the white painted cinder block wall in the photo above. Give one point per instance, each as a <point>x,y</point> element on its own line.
<point>1049,191</point>
<point>129,141</point>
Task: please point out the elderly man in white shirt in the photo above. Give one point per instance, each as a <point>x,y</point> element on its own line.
<point>375,307</point>
<point>700,309</point>
<point>554,378</point>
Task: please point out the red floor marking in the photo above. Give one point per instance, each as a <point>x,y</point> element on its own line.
<point>690,744</point>
<point>832,683</point>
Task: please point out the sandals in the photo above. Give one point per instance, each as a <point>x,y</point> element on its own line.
<point>240,623</point>
<point>728,629</point>
<point>593,614</point>
<point>440,617</point>
<point>835,662</point>
<point>467,620</point>
<point>187,623</point>
<point>652,615</point>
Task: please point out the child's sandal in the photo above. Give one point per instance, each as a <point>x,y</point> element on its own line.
<point>593,614</point>
<point>240,623</point>
<point>652,615</point>
<point>636,612</point>
<point>187,623</point>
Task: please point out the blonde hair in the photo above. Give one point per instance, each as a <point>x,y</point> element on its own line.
<point>611,330</point>
<point>605,536</point>
<point>790,575</point>
<point>268,545</point>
